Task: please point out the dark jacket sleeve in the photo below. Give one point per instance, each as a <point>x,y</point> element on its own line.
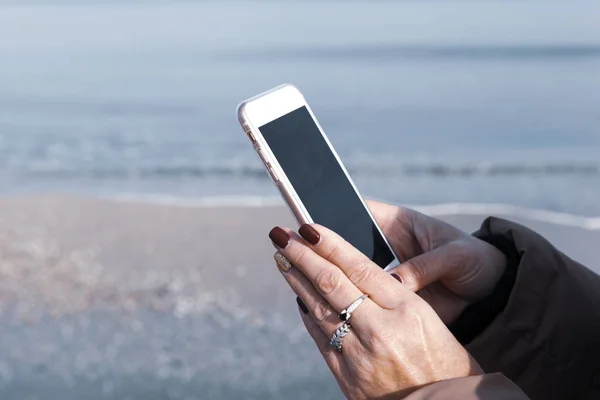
<point>546,338</point>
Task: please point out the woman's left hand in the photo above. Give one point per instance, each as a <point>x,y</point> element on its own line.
<point>396,343</point>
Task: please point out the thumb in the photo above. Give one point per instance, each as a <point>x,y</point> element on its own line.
<point>429,267</point>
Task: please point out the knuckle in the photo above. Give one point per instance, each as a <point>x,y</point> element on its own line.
<point>418,270</point>
<point>321,312</point>
<point>459,253</point>
<point>410,309</point>
<point>336,253</point>
<point>403,308</point>
<point>327,281</point>
<point>361,273</point>
<point>406,214</point>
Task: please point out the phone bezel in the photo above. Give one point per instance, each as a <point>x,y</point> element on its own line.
<point>269,106</point>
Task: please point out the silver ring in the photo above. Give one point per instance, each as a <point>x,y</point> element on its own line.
<point>338,336</point>
<point>347,313</point>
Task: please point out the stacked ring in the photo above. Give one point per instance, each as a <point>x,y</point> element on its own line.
<point>337,338</point>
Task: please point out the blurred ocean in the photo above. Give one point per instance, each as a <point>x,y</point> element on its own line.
<point>426,102</point>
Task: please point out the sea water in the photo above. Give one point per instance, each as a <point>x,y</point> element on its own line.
<point>426,102</point>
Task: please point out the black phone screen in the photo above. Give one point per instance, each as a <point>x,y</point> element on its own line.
<point>321,183</point>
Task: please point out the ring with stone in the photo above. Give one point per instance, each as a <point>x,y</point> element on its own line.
<point>347,313</point>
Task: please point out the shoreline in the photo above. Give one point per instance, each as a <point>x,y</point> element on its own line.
<point>434,210</point>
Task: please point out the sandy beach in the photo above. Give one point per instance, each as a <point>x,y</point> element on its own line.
<point>104,299</point>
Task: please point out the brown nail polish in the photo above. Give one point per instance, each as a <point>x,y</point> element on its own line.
<point>279,237</point>
<point>397,277</point>
<point>309,234</point>
<point>302,305</point>
<point>282,262</point>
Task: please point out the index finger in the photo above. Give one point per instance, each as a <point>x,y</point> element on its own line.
<point>326,278</point>
<point>382,287</point>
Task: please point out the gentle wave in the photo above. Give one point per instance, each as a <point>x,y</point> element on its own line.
<point>428,52</point>
<point>435,210</point>
<point>113,107</point>
<point>211,201</point>
<point>258,172</point>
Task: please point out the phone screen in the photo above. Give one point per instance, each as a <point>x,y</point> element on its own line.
<point>321,183</point>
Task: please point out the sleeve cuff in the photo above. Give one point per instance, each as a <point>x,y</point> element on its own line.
<point>479,315</point>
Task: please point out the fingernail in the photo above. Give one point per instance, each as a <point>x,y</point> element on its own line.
<point>302,305</point>
<point>282,262</point>
<point>309,234</point>
<point>397,277</point>
<point>279,237</point>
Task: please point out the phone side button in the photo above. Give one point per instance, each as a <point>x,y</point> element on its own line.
<point>272,173</point>
<point>249,133</point>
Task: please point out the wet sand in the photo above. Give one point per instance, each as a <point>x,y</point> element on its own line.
<point>113,300</point>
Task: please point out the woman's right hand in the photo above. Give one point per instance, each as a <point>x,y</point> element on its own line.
<point>448,268</point>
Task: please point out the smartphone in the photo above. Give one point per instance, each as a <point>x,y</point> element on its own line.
<point>308,172</point>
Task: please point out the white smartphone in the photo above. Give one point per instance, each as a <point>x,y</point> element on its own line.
<point>308,172</point>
